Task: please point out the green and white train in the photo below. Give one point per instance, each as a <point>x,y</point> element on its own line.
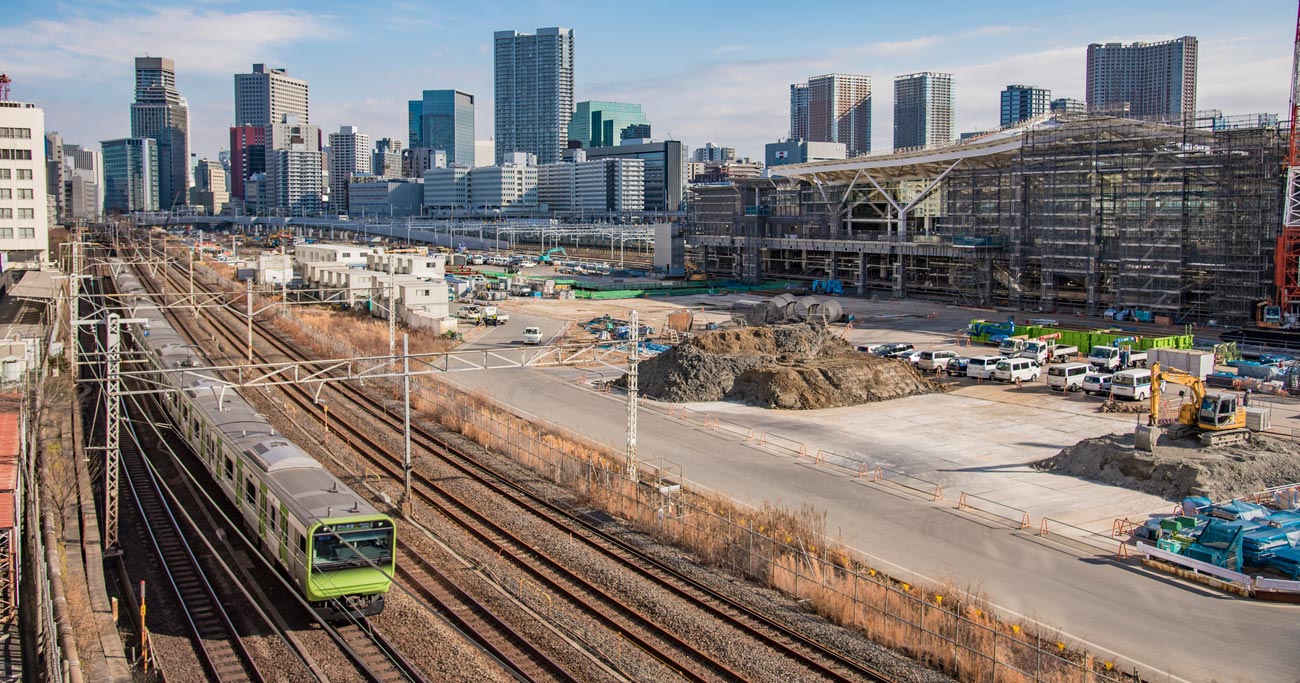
<point>335,547</point>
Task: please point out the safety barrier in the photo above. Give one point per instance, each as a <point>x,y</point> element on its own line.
<point>929,489</point>
<point>1079,538</point>
<point>1018,518</point>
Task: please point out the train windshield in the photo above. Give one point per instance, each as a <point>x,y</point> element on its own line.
<point>349,549</point>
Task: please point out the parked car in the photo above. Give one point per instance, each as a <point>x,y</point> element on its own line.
<point>957,366</point>
<point>912,357</point>
<point>934,361</point>
<point>890,350</point>
<point>1096,383</point>
<point>1067,376</point>
<point>1016,370</point>
<point>981,367</point>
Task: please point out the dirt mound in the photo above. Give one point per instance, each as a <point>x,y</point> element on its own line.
<point>1181,467</point>
<point>796,367</point>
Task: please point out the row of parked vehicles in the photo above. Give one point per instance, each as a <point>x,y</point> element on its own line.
<point>1092,378</point>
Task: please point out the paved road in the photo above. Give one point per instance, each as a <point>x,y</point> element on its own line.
<point>1147,618</point>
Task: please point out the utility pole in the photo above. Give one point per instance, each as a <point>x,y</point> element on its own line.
<point>74,294</point>
<point>392,308</point>
<point>634,336</point>
<point>406,424</point>
<point>248,297</point>
<point>112,421</point>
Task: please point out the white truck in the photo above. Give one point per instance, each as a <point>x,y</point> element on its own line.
<point>1012,346</point>
<point>493,316</point>
<point>1113,358</point>
<point>1044,351</point>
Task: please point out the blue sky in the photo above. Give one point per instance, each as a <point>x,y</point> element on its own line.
<point>704,72</point>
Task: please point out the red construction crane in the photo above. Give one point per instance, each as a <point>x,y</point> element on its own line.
<point>1286,264</point>
<point>4,87</point>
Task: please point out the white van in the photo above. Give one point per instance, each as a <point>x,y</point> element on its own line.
<point>982,367</point>
<point>1067,376</point>
<point>532,335</point>
<point>1134,385</point>
<point>1016,370</point>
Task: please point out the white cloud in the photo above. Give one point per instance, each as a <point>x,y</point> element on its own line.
<point>725,49</point>
<point>892,48</point>
<point>206,41</point>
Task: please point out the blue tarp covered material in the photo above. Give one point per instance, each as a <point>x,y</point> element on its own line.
<point>1287,561</point>
<point>1238,509</point>
<point>1194,504</point>
<point>1220,544</point>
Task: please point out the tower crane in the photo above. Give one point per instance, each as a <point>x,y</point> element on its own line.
<point>1286,265</point>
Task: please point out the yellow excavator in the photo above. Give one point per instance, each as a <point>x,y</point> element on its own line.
<point>1219,417</point>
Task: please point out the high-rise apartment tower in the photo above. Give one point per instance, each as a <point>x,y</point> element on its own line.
<point>839,110</point>
<point>922,110</point>
<point>534,92</point>
<point>1152,79</point>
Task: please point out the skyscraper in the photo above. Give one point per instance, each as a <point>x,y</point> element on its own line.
<point>130,175</point>
<point>922,110</point>
<point>443,120</point>
<point>210,186</point>
<point>839,110</point>
<point>159,112</point>
<point>605,124</point>
<point>1154,79</point>
<point>1021,102</point>
<point>349,156</point>
<point>534,92</point>
<point>798,111</point>
<point>83,183</point>
<point>293,179</point>
<point>264,96</point>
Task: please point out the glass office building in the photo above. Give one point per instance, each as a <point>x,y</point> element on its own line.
<point>606,124</point>
<point>443,120</point>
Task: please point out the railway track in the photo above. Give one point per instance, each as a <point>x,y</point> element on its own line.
<point>377,659</point>
<point>477,621</point>
<point>687,660</point>
<point>221,648</point>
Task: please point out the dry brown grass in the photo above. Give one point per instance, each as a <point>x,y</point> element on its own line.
<point>940,626</point>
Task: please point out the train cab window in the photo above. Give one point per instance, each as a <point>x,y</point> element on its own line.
<point>250,492</point>
<point>230,468</point>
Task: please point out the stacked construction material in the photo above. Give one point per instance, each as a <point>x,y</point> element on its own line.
<point>784,309</point>
<point>1233,535</point>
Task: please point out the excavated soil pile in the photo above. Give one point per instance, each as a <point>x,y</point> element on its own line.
<point>1180,468</point>
<point>796,367</point>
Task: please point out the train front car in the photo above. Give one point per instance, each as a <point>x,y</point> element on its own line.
<point>342,548</point>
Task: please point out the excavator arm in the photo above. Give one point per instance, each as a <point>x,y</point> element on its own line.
<point>1160,375</point>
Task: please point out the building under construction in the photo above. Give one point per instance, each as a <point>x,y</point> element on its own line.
<point>1066,213</point>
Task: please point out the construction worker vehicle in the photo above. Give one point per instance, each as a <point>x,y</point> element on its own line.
<point>550,253</point>
<point>1112,358</point>
<point>1218,417</point>
<point>1044,350</point>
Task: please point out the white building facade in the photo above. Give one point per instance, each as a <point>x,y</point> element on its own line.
<point>349,155</point>
<point>24,207</point>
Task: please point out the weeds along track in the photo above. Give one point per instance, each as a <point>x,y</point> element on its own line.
<point>813,660</point>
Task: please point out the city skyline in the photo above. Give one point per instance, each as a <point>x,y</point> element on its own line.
<point>730,88</point>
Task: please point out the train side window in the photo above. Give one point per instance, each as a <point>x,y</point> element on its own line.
<point>302,544</point>
<point>230,468</point>
<point>250,492</point>
<point>284,529</point>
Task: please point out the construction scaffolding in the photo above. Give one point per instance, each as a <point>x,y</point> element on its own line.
<point>1075,213</point>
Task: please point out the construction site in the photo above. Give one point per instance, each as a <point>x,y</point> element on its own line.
<point>1066,213</point>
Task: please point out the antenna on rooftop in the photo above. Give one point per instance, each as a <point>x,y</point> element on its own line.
<point>4,87</point>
